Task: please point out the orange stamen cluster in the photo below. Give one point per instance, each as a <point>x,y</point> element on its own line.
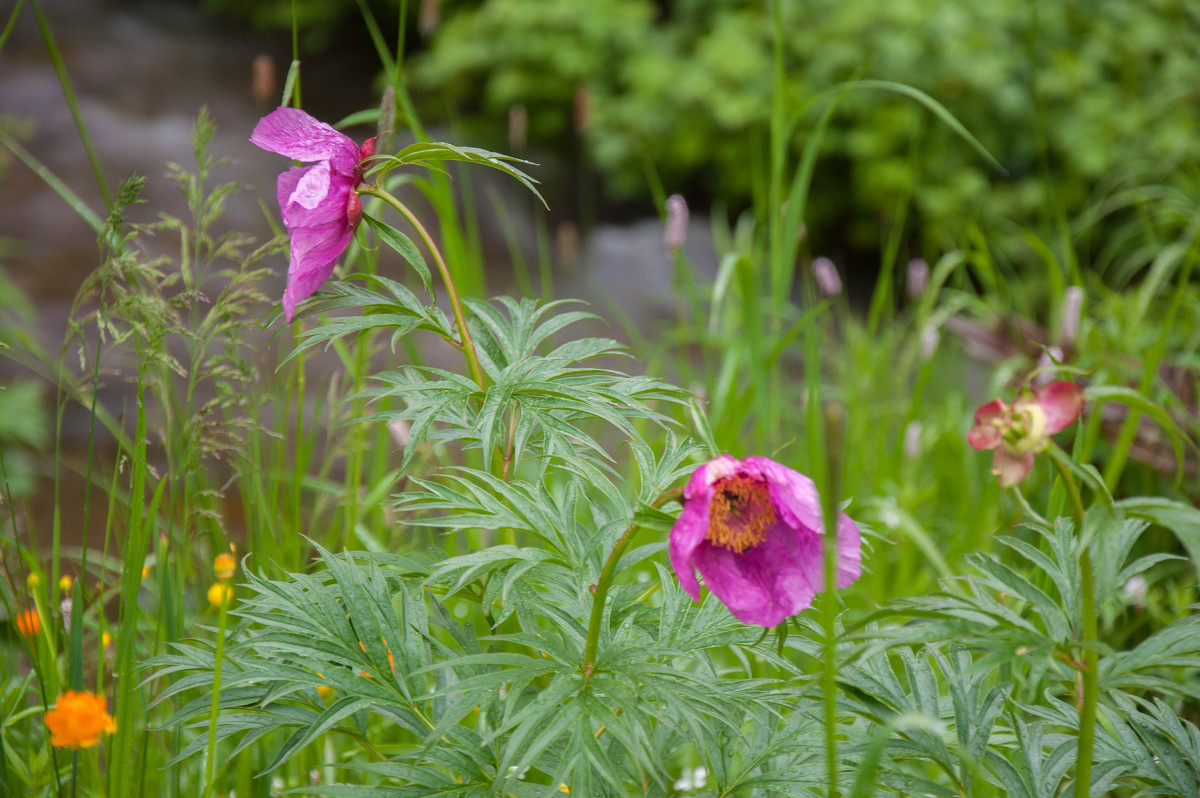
<point>740,513</point>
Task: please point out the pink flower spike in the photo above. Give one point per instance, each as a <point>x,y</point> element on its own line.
<point>319,203</point>
<point>753,530</point>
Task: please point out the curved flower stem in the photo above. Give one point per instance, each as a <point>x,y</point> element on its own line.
<point>466,345</point>
<point>600,593</point>
<point>1089,677</point>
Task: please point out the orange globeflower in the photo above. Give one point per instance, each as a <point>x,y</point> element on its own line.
<point>29,623</point>
<point>78,720</point>
<point>224,565</point>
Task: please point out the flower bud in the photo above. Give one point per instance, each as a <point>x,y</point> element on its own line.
<point>583,106</point>
<point>353,210</point>
<point>29,623</point>
<point>827,277</point>
<point>930,337</point>
<point>262,83</point>
<point>518,127</point>
<point>224,565</point>
<point>917,279</point>
<point>912,439</point>
<point>1072,311</point>
<point>220,593</point>
<point>399,430</point>
<point>675,233</point>
<point>65,582</point>
<point>1135,591</point>
<point>429,16</point>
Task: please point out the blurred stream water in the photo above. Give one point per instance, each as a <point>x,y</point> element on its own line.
<point>141,71</point>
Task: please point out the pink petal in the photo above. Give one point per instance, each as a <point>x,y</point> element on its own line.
<point>687,535</point>
<point>849,562</point>
<point>285,186</point>
<point>796,500</point>
<point>313,187</point>
<point>314,255</point>
<point>1011,468</point>
<point>780,576</point>
<point>706,475</point>
<point>985,434</point>
<point>767,584</point>
<point>793,494</point>
<point>1062,403</point>
<point>291,132</point>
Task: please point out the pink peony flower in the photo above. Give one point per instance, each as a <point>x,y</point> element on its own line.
<point>319,204</point>
<point>753,529</point>
<point>1019,431</point>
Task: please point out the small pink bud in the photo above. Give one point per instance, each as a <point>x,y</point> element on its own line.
<point>1072,310</point>
<point>912,439</point>
<point>918,278</point>
<point>353,210</point>
<point>677,220</point>
<point>1135,591</point>
<point>930,337</point>
<point>828,279</point>
<point>367,148</point>
<point>400,431</point>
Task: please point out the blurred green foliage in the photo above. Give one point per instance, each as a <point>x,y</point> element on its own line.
<point>1083,96</point>
<point>1092,92</point>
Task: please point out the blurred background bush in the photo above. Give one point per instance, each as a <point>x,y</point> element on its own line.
<point>1078,100</point>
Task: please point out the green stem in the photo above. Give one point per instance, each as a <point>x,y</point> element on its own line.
<point>65,81</point>
<point>603,583</point>
<point>1087,710</point>
<point>215,705</point>
<point>835,430</point>
<point>466,345</point>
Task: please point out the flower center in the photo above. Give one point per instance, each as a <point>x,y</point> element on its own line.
<point>1027,432</point>
<point>740,513</point>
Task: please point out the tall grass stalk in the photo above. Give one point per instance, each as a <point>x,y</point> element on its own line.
<point>64,80</point>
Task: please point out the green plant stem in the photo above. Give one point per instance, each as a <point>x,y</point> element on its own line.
<point>466,345</point>
<point>214,707</point>
<point>1087,710</point>
<point>835,429</point>
<point>600,594</point>
<point>65,81</point>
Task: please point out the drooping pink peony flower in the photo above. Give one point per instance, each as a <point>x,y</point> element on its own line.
<point>319,204</point>
<point>753,529</point>
<point>1019,431</point>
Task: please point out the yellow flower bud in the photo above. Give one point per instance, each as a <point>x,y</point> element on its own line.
<point>220,593</point>
<point>65,582</point>
<point>224,566</point>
